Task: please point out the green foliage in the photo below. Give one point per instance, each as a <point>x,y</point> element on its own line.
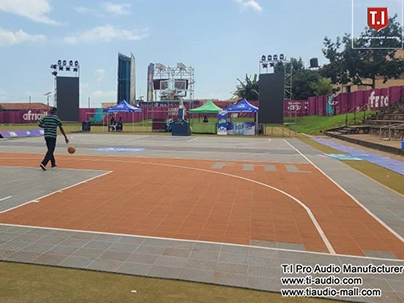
<point>369,56</point>
<point>247,89</point>
<point>322,87</point>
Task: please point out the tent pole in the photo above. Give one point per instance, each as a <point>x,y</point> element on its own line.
<point>133,121</point>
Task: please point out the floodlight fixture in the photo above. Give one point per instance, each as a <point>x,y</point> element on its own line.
<point>64,62</point>
<point>76,63</point>
<point>59,62</point>
<point>181,66</point>
<point>263,58</point>
<point>269,58</point>
<point>275,57</point>
<point>281,57</point>
<point>71,63</point>
<point>55,73</point>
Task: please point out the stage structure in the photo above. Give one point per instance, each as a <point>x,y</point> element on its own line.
<point>275,88</point>
<point>67,89</point>
<point>126,78</point>
<point>170,83</point>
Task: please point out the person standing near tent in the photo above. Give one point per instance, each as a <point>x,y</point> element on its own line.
<point>50,123</point>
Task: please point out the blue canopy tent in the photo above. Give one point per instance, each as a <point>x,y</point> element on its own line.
<point>124,107</point>
<point>244,107</point>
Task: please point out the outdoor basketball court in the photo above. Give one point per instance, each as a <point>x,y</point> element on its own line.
<point>219,210</point>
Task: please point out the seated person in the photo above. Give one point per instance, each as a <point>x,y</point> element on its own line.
<point>119,126</point>
<point>205,119</point>
<point>112,124</point>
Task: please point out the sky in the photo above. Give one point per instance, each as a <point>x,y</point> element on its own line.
<point>221,39</point>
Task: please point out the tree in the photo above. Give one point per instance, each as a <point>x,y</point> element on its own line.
<point>370,56</point>
<point>322,87</point>
<point>305,82</point>
<point>247,89</point>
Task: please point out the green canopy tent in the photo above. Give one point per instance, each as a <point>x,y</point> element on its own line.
<point>207,108</point>
<point>205,127</point>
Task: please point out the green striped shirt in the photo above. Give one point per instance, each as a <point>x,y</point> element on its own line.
<point>50,124</point>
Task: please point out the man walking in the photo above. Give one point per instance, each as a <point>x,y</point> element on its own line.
<point>50,124</point>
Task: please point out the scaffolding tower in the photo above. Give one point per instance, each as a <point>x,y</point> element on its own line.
<point>173,83</point>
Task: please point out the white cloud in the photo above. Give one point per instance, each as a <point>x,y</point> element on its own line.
<point>36,10</point>
<point>99,75</point>
<point>8,38</point>
<point>2,94</point>
<point>249,4</point>
<point>84,87</point>
<point>105,33</point>
<point>117,9</point>
<point>81,9</point>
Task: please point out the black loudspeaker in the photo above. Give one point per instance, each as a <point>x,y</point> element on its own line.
<point>271,98</point>
<point>68,98</point>
<point>314,63</point>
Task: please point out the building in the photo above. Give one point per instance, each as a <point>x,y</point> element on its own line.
<point>126,79</point>
<point>348,88</point>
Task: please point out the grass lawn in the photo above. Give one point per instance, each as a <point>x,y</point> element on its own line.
<point>40,284</point>
<point>313,125</point>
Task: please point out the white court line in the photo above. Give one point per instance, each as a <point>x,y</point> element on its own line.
<point>55,192</point>
<point>202,241</point>
<point>192,139</point>
<point>308,211</point>
<point>349,195</point>
<point>3,199</point>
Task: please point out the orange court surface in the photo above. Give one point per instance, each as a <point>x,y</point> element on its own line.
<point>253,193</point>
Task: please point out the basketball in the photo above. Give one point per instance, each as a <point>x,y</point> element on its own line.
<point>71,149</point>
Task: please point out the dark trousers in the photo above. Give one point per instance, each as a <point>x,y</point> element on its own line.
<point>51,145</point>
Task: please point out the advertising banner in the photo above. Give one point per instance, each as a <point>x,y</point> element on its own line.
<point>241,128</point>
<point>222,123</point>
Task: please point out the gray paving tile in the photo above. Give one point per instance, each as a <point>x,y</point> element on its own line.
<point>260,252</point>
<point>205,255</point>
<point>176,252</point>
<point>293,255</point>
<point>235,249</point>
<point>106,238</point>
<point>171,261</point>
<point>98,244</point>
<point>75,242</point>
<point>37,248</point>
<point>181,244</point>
<point>197,275</point>
<point>84,235</point>
<point>62,234</point>
<point>135,241</point>
<point>19,230</point>
<point>4,228</point>
<point>151,250</point>
<point>264,272</point>
<point>390,297</point>
<point>105,265</point>
<point>266,262</point>
<point>125,247</point>
<point>142,258</point>
<point>159,271</point>
<point>131,268</point>
<point>396,285</point>
<point>49,259</point>
<point>232,268</point>
<point>88,252</point>
<point>28,238</point>
<point>200,264</point>
<point>263,243</point>
<point>62,250</point>
<point>155,242</point>
<point>14,246</point>
<point>4,236</point>
<point>207,246</point>
<point>233,258</point>
<point>39,231</point>
<point>372,282</point>
<point>23,256</point>
<point>114,255</point>
<point>292,246</point>
<point>4,254</point>
<point>230,279</point>
<point>260,283</point>
<point>51,240</point>
<point>76,262</point>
